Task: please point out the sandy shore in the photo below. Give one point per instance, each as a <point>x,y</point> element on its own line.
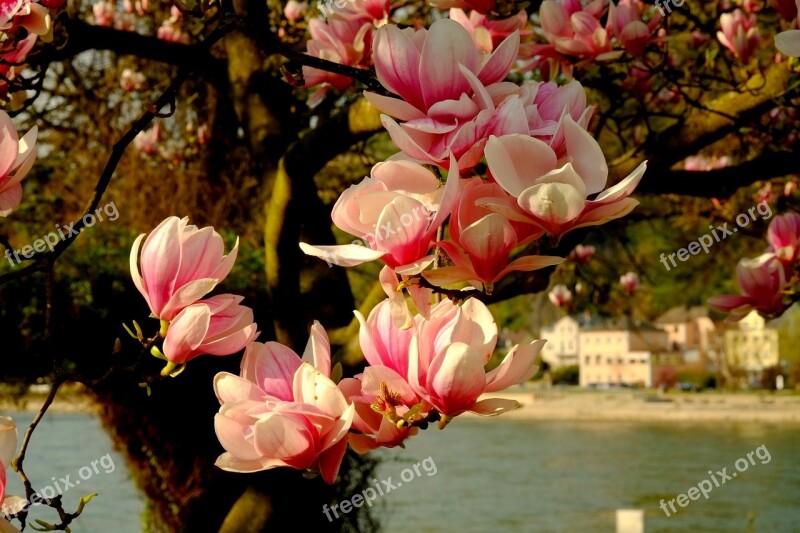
<point>553,404</point>
<point>71,398</point>
<point>650,406</point>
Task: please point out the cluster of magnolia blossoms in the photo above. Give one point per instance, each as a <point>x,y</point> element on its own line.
<point>768,282</point>
<point>547,174</point>
<point>176,266</point>
<point>286,411</point>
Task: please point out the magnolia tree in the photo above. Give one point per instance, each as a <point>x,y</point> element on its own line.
<point>511,130</point>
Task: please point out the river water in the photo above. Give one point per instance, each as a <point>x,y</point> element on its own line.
<point>500,475</point>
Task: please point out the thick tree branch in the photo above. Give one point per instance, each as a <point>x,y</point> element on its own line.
<point>81,37</point>
<point>703,128</point>
<point>720,182</point>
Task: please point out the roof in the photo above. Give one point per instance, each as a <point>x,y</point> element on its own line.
<point>682,314</point>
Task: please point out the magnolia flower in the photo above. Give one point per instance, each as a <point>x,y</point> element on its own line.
<point>216,326</point>
<point>575,30</point>
<point>783,236</point>
<point>482,241</point>
<point>488,34</point>
<point>396,211</point>
<point>630,282</point>
<point>560,296</point>
<point>382,395</point>
<point>294,10</point>
<point>443,83</point>
<point>739,34</point>
<point>582,254</point>
<point>762,281</point>
<point>341,40</point>
<point>104,13</point>
<point>12,57</point>
<point>625,23</point>
<point>179,265</point>
<point>147,141</point>
<point>447,360</point>
<point>283,411</point>
<point>170,32</point>
<point>16,160</point>
<point>554,193</point>
<point>130,80</point>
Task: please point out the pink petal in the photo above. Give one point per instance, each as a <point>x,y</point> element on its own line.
<point>517,160</point>
<point>318,349</point>
<point>516,367</point>
<point>586,156</point>
<point>186,332</point>
<point>456,378</point>
<point>346,255</point>
<point>272,367</point>
<point>446,46</point>
<point>397,64</point>
<point>529,263</point>
<point>231,388</point>
<point>399,109</point>
<point>494,406</point>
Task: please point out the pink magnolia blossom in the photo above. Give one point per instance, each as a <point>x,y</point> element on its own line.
<point>179,265</point>
<point>342,40</point>
<point>630,282</point>
<point>739,34</point>
<point>554,193</point>
<point>575,30</point>
<point>582,254</point>
<point>374,11</point>
<point>762,281</point>
<point>381,394</point>
<point>541,109</point>
<point>12,55</point>
<point>397,211</point>
<point>489,34</point>
<point>783,236</point>
<point>626,24</point>
<point>560,296</point>
<point>16,160</point>
<point>294,10</point>
<point>283,411</point>
<point>216,326</point>
<point>104,13</point>
<point>447,360</point>
<point>170,32</point>
<point>443,83</point>
<point>147,141</point>
<point>130,80</point>
<point>483,241</point>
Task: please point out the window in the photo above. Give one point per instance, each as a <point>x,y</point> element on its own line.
<point>587,360</point>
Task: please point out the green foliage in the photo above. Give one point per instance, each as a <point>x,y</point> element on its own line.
<point>567,375</point>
